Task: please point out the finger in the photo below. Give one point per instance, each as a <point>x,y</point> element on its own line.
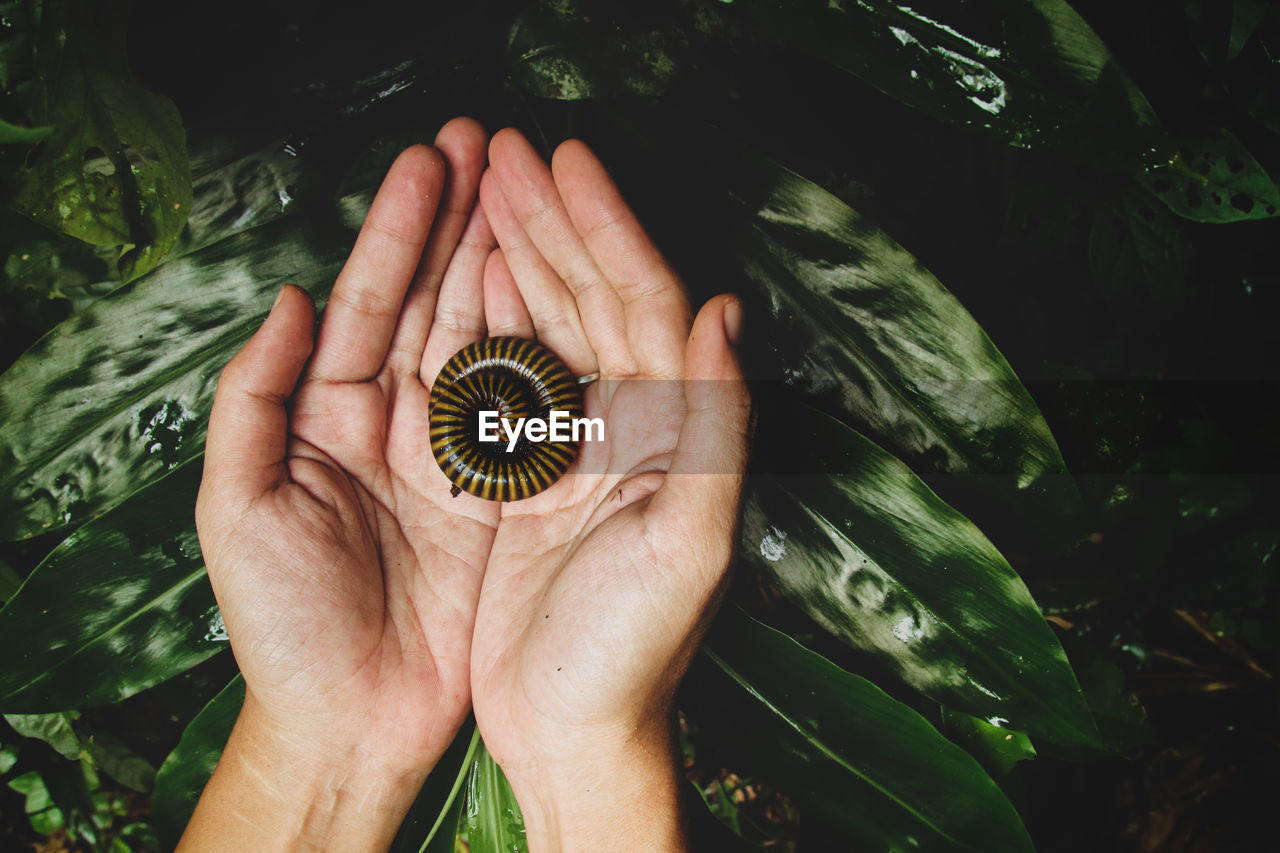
<point>459,315</point>
<point>367,297</point>
<point>552,307</point>
<point>504,308</point>
<point>698,504</point>
<point>464,144</point>
<point>654,301</point>
<point>249,427</point>
<point>531,192</point>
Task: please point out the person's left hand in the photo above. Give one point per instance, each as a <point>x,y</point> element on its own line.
<point>346,574</point>
<point>598,589</point>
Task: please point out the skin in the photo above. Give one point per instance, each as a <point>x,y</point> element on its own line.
<point>369,610</point>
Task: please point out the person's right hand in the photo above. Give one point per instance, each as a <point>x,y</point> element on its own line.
<point>598,590</point>
<point>347,575</point>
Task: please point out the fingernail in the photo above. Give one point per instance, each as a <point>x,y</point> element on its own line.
<point>733,321</point>
<point>279,296</point>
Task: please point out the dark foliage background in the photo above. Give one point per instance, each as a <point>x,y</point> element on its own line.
<point>1145,338</point>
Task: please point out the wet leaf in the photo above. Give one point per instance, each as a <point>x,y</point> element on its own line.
<point>432,823</point>
<point>845,316</point>
<point>584,49</point>
<point>859,542</point>
<point>998,748</point>
<point>490,816</point>
<point>1033,73</point>
<point>857,764</point>
<point>119,394</point>
<point>186,771</point>
<point>114,171</point>
<point>121,605</point>
<point>1214,179</point>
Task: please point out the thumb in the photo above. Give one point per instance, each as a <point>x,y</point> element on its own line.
<point>249,426</point>
<point>699,500</point>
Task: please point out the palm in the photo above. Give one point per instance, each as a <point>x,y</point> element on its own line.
<point>550,621</point>
<point>595,590</point>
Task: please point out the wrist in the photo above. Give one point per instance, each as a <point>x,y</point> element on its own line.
<point>284,792</point>
<point>620,795</point>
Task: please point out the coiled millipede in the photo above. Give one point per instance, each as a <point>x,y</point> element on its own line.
<point>516,378</point>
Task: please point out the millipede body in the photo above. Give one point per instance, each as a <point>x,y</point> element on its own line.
<point>516,378</point>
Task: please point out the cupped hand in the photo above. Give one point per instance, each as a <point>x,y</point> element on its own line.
<point>597,591</point>
<point>346,574</point>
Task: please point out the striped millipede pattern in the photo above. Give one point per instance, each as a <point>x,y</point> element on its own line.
<point>517,378</point>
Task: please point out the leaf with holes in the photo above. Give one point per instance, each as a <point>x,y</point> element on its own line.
<point>1214,179</point>
<point>114,171</point>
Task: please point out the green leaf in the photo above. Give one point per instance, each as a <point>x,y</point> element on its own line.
<point>119,394</point>
<point>858,764</point>
<point>114,171</point>
<point>9,581</point>
<point>1135,240</point>
<point>1033,73</point>
<point>106,752</point>
<point>1214,179</point>
<point>121,605</point>
<point>113,757</point>
<point>54,729</point>
<point>902,354</point>
<point>431,826</point>
<point>998,748</point>
<point>869,552</point>
<point>1246,16</point>
<point>843,315</point>
<point>186,771</point>
<point>44,265</point>
<point>582,49</point>
<point>491,816</point>
<point>1120,715</point>
<point>12,134</point>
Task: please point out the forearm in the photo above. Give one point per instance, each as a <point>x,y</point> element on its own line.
<point>273,792</point>
<point>623,796</point>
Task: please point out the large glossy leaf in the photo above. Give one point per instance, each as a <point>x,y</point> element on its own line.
<point>865,768</point>
<point>585,49</point>
<point>186,771</point>
<point>114,171</point>
<point>1033,73</point>
<point>839,312</point>
<point>121,605</point>
<point>869,552</point>
<point>491,816</point>
<point>120,393</point>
